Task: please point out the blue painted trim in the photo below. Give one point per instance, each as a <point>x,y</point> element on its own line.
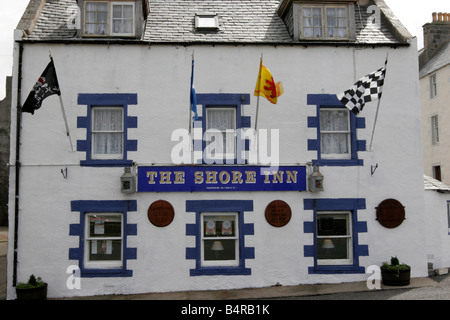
<point>216,100</point>
<point>352,205</point>
<point>92,100</point>
<point>89,206</point>
<point>331,101</point>
<point>240,206</point>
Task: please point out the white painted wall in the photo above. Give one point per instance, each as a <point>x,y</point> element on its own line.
<point>437,230</point>
<point>160,75</point>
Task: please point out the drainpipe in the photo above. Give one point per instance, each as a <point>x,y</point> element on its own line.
<point>17,164</point>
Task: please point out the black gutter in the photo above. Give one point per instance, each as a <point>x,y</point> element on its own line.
<point>214,43</point>
<point>18,131</point>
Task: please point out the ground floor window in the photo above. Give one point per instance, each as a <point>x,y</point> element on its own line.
<point>334,238</point>
<point>104,238</point>
<point>220,239</point>
<point>220,231</point>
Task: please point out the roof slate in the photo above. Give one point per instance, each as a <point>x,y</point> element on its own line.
<point>439,60</point>
<point>433,184</point>
<point>240,21</point>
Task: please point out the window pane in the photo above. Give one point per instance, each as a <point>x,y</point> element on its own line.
<point>108,143</point>
<point>334,120</point>
<point>105,250</point>
<point>332,226</point>
<point>219,226</point>
<point>107,119</point>
<point>334,143</point>
<point>332,248</point>
<point>105,225</point>
<point>219,250</point>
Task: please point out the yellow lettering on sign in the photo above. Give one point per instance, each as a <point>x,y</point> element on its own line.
<point>211,176</point>
<point>226,179</point>
<point>151,175</point>
<point>266,176</point>
<point>278,176</point>
<point>165,177</point>
<point>237,177</point>
<point>179,177</point>
<point>251,177</point>
<point>198,177</point>
<point>291,176</point>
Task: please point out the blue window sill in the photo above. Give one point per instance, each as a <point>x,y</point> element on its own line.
<point>336,269</point>
<point>98,273</point>
<point>339,163</point>
<point>225,271</point>
<point>106,163</point>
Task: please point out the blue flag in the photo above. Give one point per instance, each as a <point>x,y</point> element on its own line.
<point>193,94</point>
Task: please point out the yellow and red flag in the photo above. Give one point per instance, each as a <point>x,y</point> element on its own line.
<point>266,86</point>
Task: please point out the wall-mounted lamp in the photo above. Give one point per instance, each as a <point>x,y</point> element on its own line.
<point>315,180</point>
<point>127,182</point>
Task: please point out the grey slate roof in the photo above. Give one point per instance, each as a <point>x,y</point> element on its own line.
<point>240,21</point>
<point>433,184</point>
<point>439,60</point>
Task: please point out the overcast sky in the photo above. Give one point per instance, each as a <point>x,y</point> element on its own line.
<point>412,13</point>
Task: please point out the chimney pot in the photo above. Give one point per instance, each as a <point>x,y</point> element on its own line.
<point>434,16</point>
<point>440,16</point>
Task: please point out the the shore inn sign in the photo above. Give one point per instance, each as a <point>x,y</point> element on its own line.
<point>137,199</point>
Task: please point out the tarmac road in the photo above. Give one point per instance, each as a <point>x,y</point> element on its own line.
<point>439,291</point>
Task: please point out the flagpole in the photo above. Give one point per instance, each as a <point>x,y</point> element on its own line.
<point>257,99</point>
<point>190,106</point>
<point>62,105</point>
<point>65,121</point>
<point>378,106</point>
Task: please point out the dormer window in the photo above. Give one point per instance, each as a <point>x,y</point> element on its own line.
<point>324,22</point>
<point>109,18</point>
<point>206,21</point>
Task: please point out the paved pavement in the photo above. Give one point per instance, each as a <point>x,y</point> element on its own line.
<point>433,288</point>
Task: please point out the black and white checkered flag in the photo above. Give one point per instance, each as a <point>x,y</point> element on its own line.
<point>368,88</point>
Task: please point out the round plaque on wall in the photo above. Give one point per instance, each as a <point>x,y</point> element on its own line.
<point>161,213</point>
<point>390,213</point>
<point>278,213</point>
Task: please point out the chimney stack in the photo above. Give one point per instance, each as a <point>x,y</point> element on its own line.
<point>435,34</point>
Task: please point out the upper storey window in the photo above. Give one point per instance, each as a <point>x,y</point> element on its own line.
<point>324,22</point>
<point>109,18</point>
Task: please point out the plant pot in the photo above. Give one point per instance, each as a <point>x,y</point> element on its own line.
<point>392,277</point>
<point>39,293</point>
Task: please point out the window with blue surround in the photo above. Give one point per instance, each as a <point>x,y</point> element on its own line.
<point>336,143</point>
<point>103,232</point>
<point>221,121</point>
<point>219,232</point>
<point>335,229</point>
<point>107,123</point>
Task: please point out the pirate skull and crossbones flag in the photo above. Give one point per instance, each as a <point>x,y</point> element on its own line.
<point>46,86</point>
<point>366,89</point>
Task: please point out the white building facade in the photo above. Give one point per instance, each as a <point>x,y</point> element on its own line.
<point>192,222</point>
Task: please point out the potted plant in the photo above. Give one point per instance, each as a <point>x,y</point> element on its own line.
<point>34,289</point>
<point>395,273</point>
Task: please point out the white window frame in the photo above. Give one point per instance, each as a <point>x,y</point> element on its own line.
<point>125,3</point>
<point>89,264</point>
<point>109,27</point>
<point>206,21</point>
<point>433,85</point>
<point>324,21</point>
<point>435,129</point>
<point>348,132</point>
<point>95,156</point>
<point>220,263</point>
<point>349,237</point>
<point>229,133</point>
